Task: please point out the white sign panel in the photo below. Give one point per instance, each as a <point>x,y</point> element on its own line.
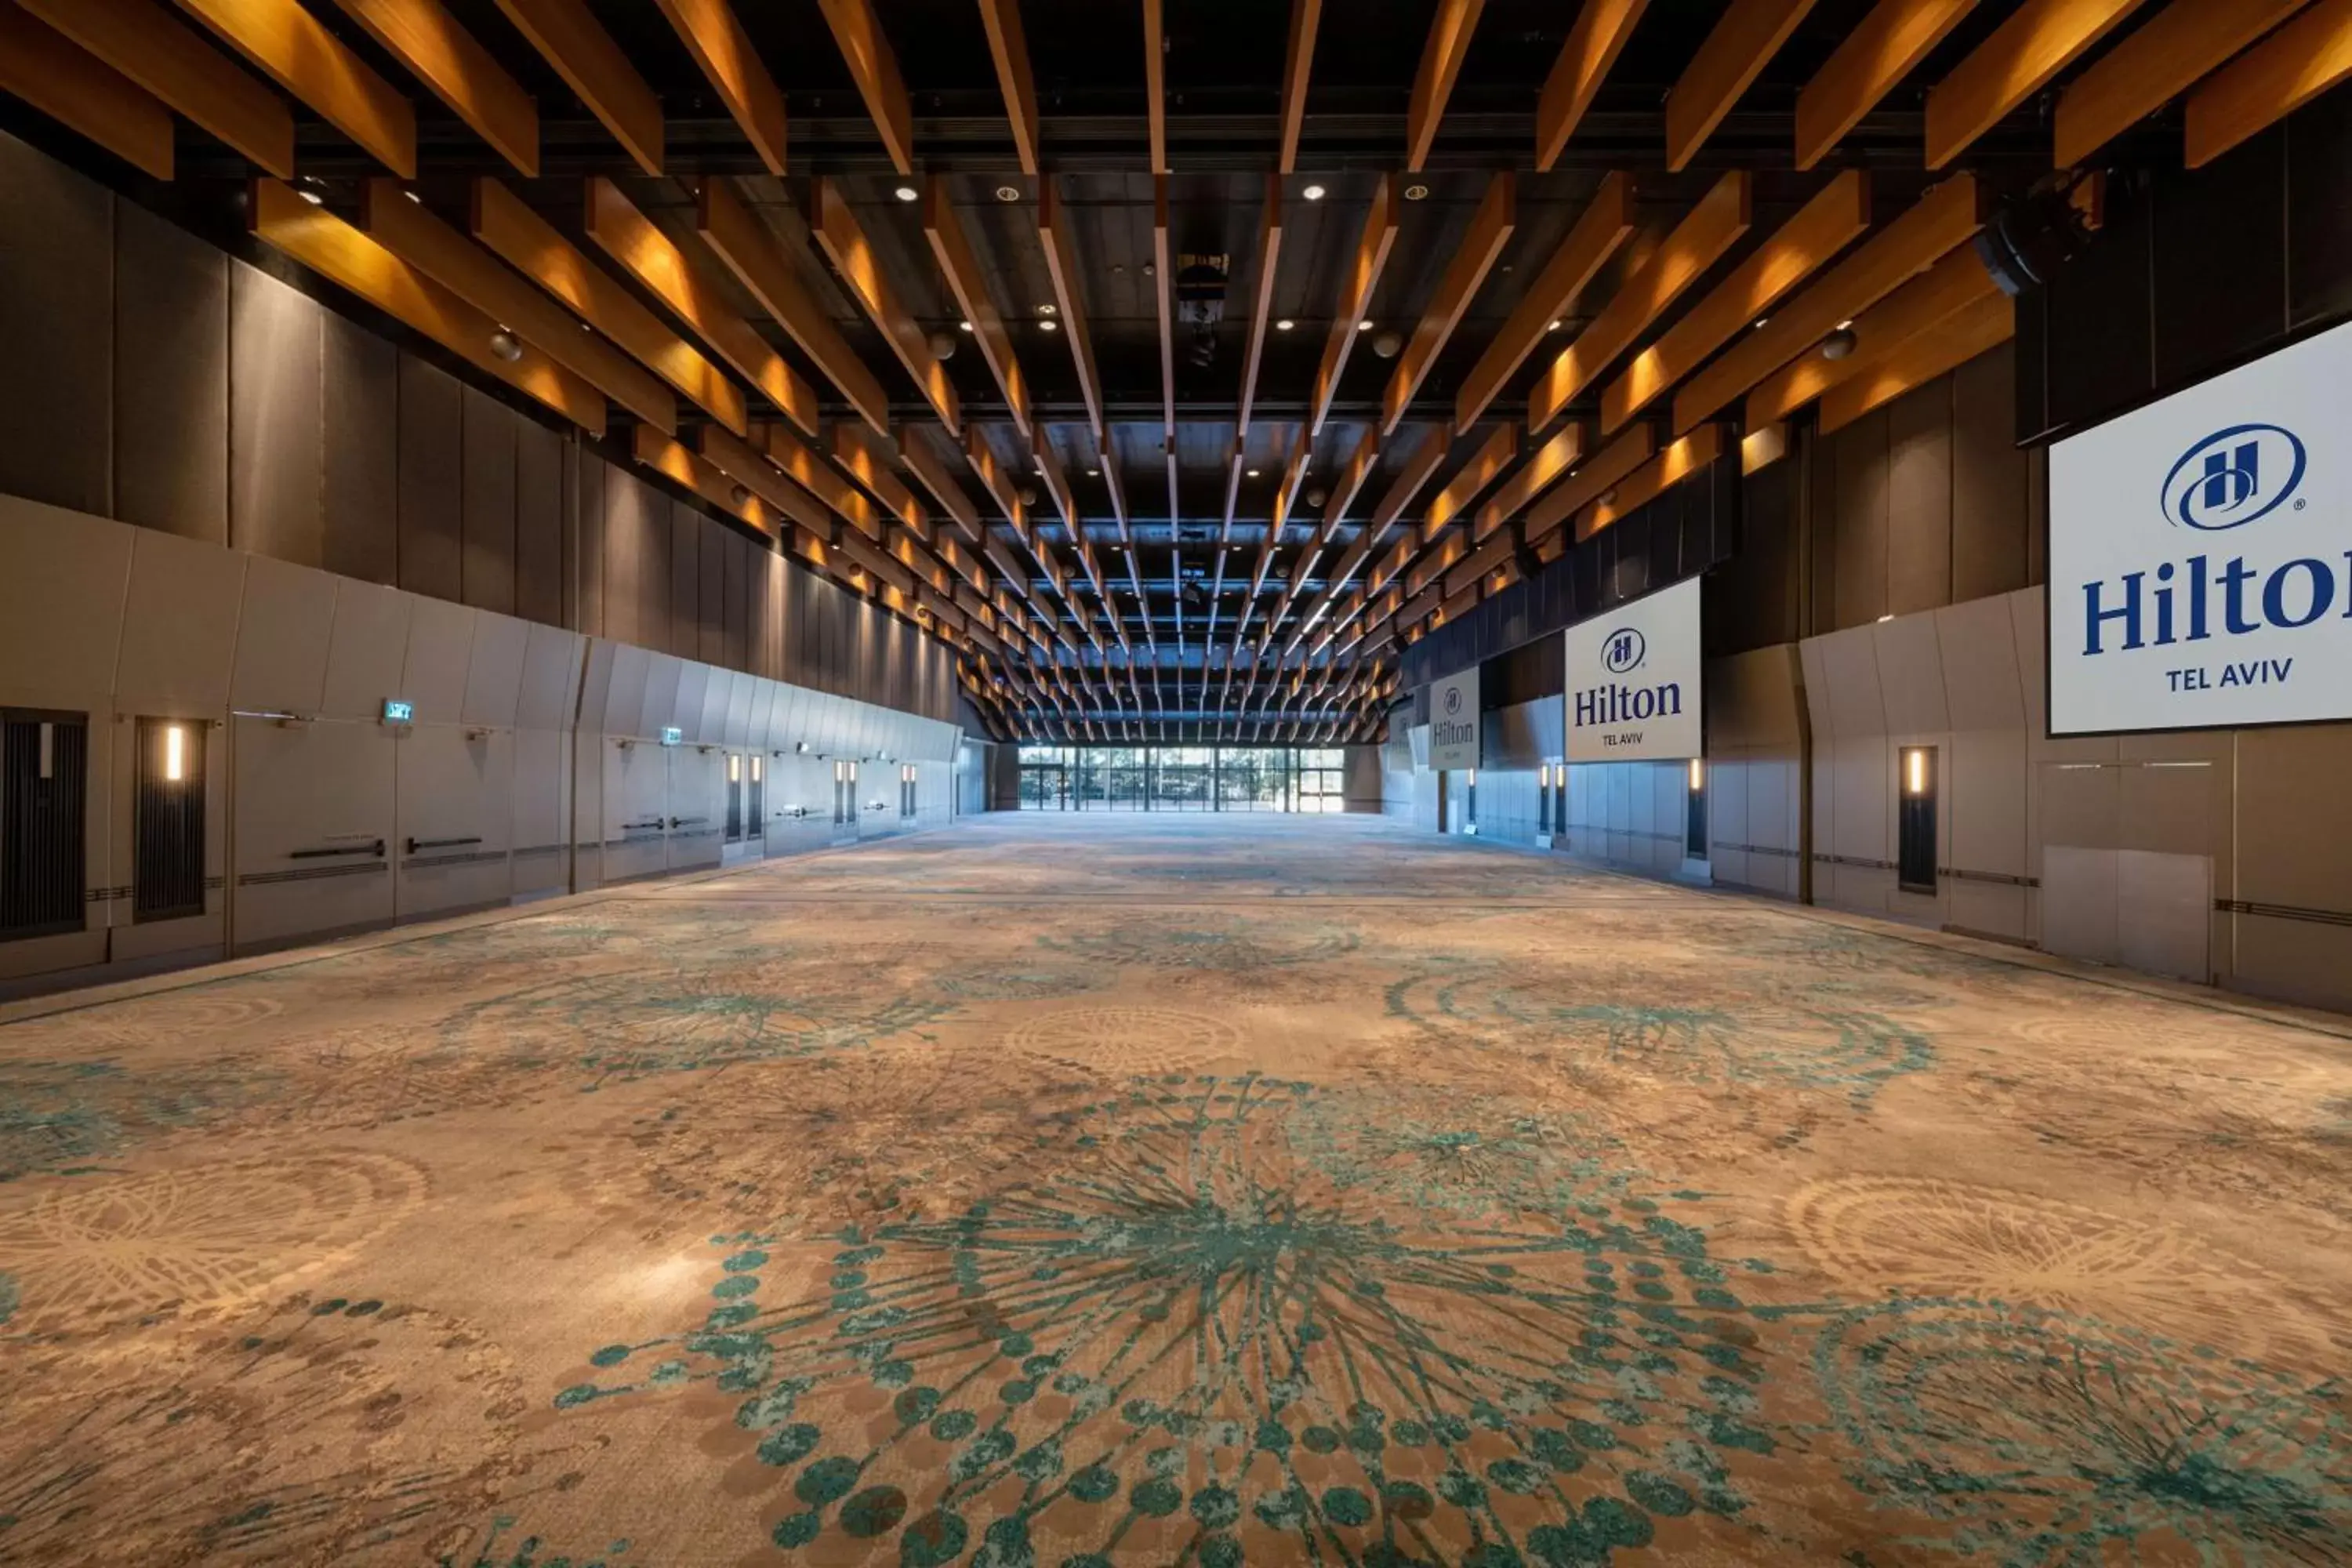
<point>2201,554</point>
<point>1634,681</point>
<point>1453,722</point>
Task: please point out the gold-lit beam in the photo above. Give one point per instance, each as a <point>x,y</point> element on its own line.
<point>752,252</point>
<point>1164,276</point>
<point>683,466</point>
<point>1481,244</point>
<point>1485,466</point>
<point>1671,466</point>
<point>527,243</point>
<point>1297,64</point>
<point>1010,51</point>
<point>1062,265</point>
<point>756,472</point>
<point>1594,40</point>
<point>294,49</point>
<point>818,477</point>
<point>1599,475</point>
<point>1544,468</point>
<point>572,41</point>
<point>2165,57</point>
<point>1355,293</point>
<point>393,219</point>
<point>1941,221</point>
<point>2271,80</point>
<point>951,247</point>
<point>1948,344</point>
<point>647,255</point>
<point>77,89</point>
<point>2038,41</point>
<point>1709,229</point>
<point>938,479</point>
<point>1155,80</point>
<point>422,36</point>
<point>328,246</point>
<point>152,48</point>
<point>846,245</point>
<point>1952,284</point>
<point>1882,49</point>
<point>855,454</point>
<point>1441,67</point>
<point>1606,223</point>
<point>875,70</point>
<point>1739,46</point>
<point>1799,248</point>
<point>721,46</point>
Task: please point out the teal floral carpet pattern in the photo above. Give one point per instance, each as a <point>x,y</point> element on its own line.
<point>1070,1193</point>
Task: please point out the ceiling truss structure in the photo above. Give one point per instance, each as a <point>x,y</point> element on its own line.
<point>1175,387</point>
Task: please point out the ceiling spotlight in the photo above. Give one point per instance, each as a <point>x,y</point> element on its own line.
<point>413,196</point>
<point>1554,326</point>
<point>314,198</point>
<point>1316,498</point>
<point>965,325</point>
<point>1388,345</point>
<point>1763,322</point>
<point>739,495</point>
<point>908,194</point>
<point>1846,325</point>
<point>1094,473</point>
<point>1313,192</point>
<point>1008,193</point>
<point>1284,324</point>
<point>1048,310</point>
<point>506,345</point>
<point>1252,472</point>
<point>1363,326</point>
<point>1026,495</point>
<point>942,345</point>
<point>1839,343</point>
<point>1416,192</point>
<point>1049,326</point>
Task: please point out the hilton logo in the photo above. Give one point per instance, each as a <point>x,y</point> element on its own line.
<point>2218,482</point>
<point>1625,650</point>
<point>1452,701</point>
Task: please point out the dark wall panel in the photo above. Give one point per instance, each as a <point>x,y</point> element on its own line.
<point>686,526</point>
<point>488,519</point>
<point>1990,480</point>
<point>636,534</point>
<point>711,630</point>
<point>2220,260</point>
<point>1919,498</point>
<point>737,563</point>
<point>171,378</point>
<point>360,433</point>
<point>432,490</point>
<point>653,572</point>
<point>538,523</point>
<point>2319,210</point>
<point>275,448</point>
<point>589,481</point>
<point>1858,455</point>
<point>56,323</point>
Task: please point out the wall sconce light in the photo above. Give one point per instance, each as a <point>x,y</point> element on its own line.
<point>1697,774</point>
<point>1915,771</point>
<point>734,770</point>
<point>175,754</point>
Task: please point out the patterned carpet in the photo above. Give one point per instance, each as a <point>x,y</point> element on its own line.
<point>1060,1193</point>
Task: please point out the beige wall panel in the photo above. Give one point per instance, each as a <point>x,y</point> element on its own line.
<point>2167,808</point>
<point>1984,688</point>
<point>64,578</point>
<point>587,755</point>
<point>2080,805</point>
<point>179,626</point>
<point>440,646</point>
<point>1911,676</point>
<point>276,443</point>
<point>2289,781</point>
<point>742,693</point>
<point>663,673</point>
<point>494,673</point>
<point>541,770</point>
<point>2163,905</point>
<point>57,316</point>
<point>597,658</point>
<point>2296,961</point>
<point>284,630</point>
<point>693,683</point>
<point>453,785</point>
<point>625,699</point>
<point>550,677</point>
<point>171,343</point>
<point>360,433</point>
<point>367,660</point>
<point>326,785</point>
<point>1987,909</point>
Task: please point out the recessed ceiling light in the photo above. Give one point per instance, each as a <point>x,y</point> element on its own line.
<point>1554,326</point>
<point>1094,473</point>
<point>1416,193</point>
<point>908,194</point>
<point>1046,310</point>
<point>1762,321</point>
<point>1284,324</point>
<point>1049,326</point>
<point>1008,193</point>
<point>1846,325</point>
<point>1252,472</point>
<point>965,325</point>
<point>413,196</point>
<point>314,198</point>
<point>1313,192</point>
<point>1363,326</point>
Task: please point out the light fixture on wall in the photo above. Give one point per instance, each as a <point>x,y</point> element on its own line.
<point>908,194</point>
<point>1313,192</point>
<point>1915,771</point>
<point>175,754</point>
<point>734,770</point>
<point>1839,343</point>
<point>1697,774</point>
<point>801,746</point>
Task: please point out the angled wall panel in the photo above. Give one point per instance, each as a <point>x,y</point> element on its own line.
<point>275,447</point>
<point>171,378</point>
<point>57,277</point>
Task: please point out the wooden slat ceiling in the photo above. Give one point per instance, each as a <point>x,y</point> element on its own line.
<point>1177,361</point>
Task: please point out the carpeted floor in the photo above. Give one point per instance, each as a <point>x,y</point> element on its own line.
<point>1162,1190</point>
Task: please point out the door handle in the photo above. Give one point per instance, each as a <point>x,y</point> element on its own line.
<point>417,844</point>
<point>375,849</point>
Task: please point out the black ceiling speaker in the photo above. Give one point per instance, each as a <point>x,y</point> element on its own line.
<point>2029,238</point>
<point>1201,301</point>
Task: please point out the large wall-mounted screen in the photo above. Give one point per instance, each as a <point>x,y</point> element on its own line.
<point>2200,554</point>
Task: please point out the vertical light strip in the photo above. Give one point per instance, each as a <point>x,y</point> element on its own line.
<point>176,755</point>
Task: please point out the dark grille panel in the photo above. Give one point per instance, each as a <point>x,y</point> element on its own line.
<point>167,870</point>
<point>44,799</point>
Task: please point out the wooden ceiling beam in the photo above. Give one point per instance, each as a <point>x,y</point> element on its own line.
<point>436,49</point>
<point>1155,81</point>
<point>762,264</point>
<point>393,219</point>
<point>1545,467</point>
<point>570,39</point>
<point>1297,65</point>
<point>1481,245</point>
<point>1884,48</point>
<point>2271,80</point>
<point>1676,462</point>
<point>1355,292</point>
<point>324,243</point>
<point>682,466</point>
<point>82,92</point>
<point>1594,40</point>
<point>846,246</point>
<point>951,248</point>
<point>1951,342</point>
<point>1822,227</point>
<point>874,69</point>
<point>647,255</point>
<point>1054,228</point>
<point>1956,281</point>
<point>1709,229</point>
<point>527,243</point>
<point>2039,40</point>
<point>1485,466</point>
<point>1010,49</point>
<point>154,49</point>
<point>818,477</point>
<point>1595,478</point>
<point>938,479</point>
<point>1441,67</point>
<point>1943,219</point>
<point>2161,60</point>
<point>1163,271</point>
<point>1269,253</point>
<point>719,46</point>
<point>1606,223</point>
<point>853,450</point>
<point>1737,49</point>
<point>294,49</point>
<point>757,472</point>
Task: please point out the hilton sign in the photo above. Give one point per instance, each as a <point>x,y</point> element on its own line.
<point>1454,721</point>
